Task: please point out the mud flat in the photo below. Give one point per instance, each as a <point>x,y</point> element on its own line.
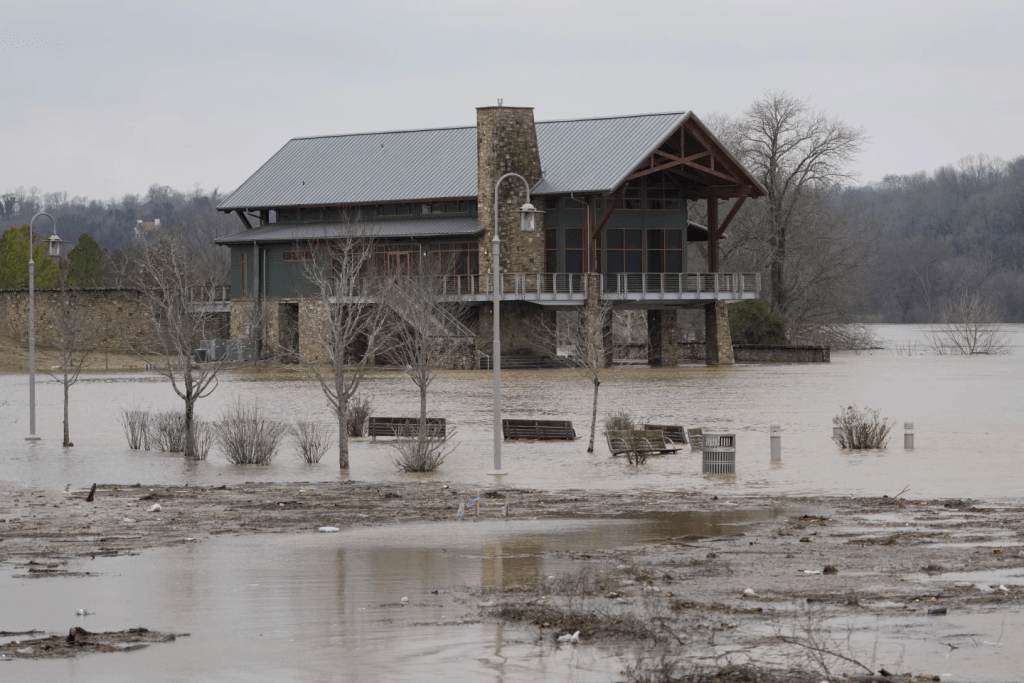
<point>767,587</point>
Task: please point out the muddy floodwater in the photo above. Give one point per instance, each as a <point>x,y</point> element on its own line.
<point>405,601</point>
<point>966,412</point>
<point>255,614</point>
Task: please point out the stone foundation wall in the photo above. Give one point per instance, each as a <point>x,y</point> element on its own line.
<point>118,314</point>
<point>524,328</point>
<point>782,354</point>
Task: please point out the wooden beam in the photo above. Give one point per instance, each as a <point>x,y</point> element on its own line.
<point>241,214</point>
<point>735,209</point>
<point>653,169</point>
<point>712,235</point>
<point>607,214</point>
<point>711,171</point>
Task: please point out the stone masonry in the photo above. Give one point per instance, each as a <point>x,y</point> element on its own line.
<point>717,334</point>
<point>507,143</point>
<point>119,313</point>
<point>662,333</point>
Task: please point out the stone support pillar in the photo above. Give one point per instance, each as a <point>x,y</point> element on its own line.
<point>507,143</point>
<point>663,348</point>
<point>717,336</point>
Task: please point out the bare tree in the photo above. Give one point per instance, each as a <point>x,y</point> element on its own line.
<point>968,326</point>
<point>344,319</point>
<point>427,330</point>
<point>69,341</point>
<point>798,155</point>
<point>585,332</point>
<point>166,277</point>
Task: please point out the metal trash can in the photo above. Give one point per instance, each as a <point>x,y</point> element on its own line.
<point>719,453</point>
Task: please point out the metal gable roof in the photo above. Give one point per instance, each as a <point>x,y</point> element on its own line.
<point>372,167</point>
<point>580,155</point>
<point>421,227</point>
<point>594,155</point>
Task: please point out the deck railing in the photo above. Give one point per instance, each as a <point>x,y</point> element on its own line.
<point>572,287</point>
<point>643,286</point>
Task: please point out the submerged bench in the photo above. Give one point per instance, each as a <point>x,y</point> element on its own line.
<point>675,432</point>
<point>639,440</point>
<point>696,435</point>
<point>404,426</point>
<point>538,429</point>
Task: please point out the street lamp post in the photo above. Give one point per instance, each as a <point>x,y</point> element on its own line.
<point>53,251</point>
<point>527,216</point>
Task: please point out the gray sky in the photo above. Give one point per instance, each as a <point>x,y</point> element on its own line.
<point>106,98</point>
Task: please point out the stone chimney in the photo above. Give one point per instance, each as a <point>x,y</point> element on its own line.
<point>506,139</point>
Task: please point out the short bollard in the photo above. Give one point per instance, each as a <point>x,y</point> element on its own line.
<point>836,429</point>
<point>908,435</point>
<point>776,439</point>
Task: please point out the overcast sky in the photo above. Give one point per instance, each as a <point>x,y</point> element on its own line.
<point>106,98</point>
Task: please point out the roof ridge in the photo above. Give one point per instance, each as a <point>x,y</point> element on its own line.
<point>537,123</point>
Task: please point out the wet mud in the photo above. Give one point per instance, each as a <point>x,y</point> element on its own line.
<point>78,641</point>
<point>737,573</point>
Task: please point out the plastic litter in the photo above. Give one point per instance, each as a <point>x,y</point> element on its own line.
<point>328,529</point>
<point>405,599</point>
<point>155,507</point>
<point>936,611</point>
<point>1004,588</point>
<point>749,593</point>
<point>83,612</point>
<point>808,571</point>
<point>572,639</point>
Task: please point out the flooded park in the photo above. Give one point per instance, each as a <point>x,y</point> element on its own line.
<point>409,600</point>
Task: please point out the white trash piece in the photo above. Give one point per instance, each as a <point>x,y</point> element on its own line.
<point>404,600</point>
<point>155,507</point>
<point>83,612</point>
<point>328,529</point>
<point>571,639</point>
<point>749,593</point>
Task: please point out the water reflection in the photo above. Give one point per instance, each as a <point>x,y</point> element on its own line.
<point>312,607</point>
<point>965,411</point>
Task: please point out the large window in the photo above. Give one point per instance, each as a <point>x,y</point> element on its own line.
<point>551,250</point>
<point>664,251</point>
<point>664,196</point>
<point>398,259</point>
<point>464,256</point>
<point>574,250</point>
<point>624,250</point>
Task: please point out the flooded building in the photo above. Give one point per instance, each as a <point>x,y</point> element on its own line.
<point>613,222</point>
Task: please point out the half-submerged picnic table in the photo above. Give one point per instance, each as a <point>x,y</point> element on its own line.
<point>404,427</point>
<point>640,440</point>
<point>553,430</point>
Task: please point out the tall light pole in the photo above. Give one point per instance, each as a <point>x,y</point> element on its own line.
<point>527,216</point>
<point>54,251</point>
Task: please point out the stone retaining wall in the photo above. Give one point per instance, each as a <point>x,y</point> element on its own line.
<point>118,314</point>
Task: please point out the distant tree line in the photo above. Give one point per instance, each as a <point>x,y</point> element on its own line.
<point>110,229</point>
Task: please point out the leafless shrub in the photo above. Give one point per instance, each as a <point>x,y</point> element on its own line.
<point>247,436</point>
<point>968,326</point>
<point>422,452</point>
<point>862,428</point>
<point>638,448</point>
<point>359,410</point>
<point>167,432</point>
<point>135,423</point>
<point>619,421</point>
<point>203,433</point>
<point>312,439</point>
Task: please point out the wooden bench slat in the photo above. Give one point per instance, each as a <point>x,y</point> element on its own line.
<point>647,440</point>
<point>515,429</point>
<point>404,426</point>
<point>675,432</point>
